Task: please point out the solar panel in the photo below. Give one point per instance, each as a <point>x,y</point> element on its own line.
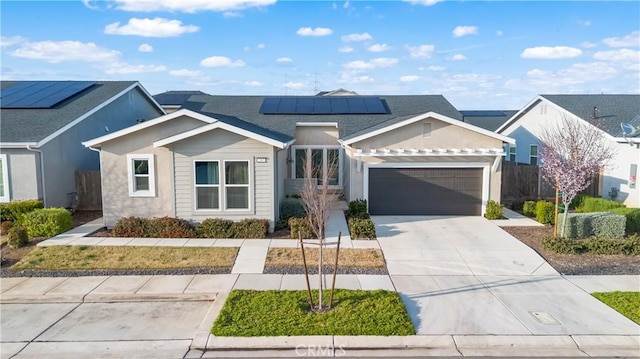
<point>41,94</point>
<point>487,113</point>
<point>375,105</point>
<point>356,105</point>
<point>270,105</point>
<point>287,105</point>
<point>304,105</point>
<point>322,105</point>
<point>339,106</point>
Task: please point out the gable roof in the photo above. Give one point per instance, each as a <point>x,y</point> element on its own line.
<point>488,119</point>
<point>175,98</point>
<point>36,126</point>
<point>604,111</point>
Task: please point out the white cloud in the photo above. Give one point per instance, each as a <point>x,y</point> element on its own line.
<point>59,51</point>
<point>346,49</point>
<point>318,31</point>
<point>588,45</point>
<point>458,57</point>
<point>423,2</point>
<point>421,51</point>
<point>630,40</point>
<point>548,52</point>
<point>262,46</point>
<point>190,6</point>
<point>253,83</point>
<point>231,14</point>
<point>584,22</point>
<point>122,68</point>
<point>409,78</point>
<point>436,68</point>
<point>380,62</point>
<point>576,74</point>
<point>284,59</point>
<point>294,85</point>
<point>186,73</point>
<point>145,48</point>
<point>351,77</point>
<point>356,37</point>
<point>618,55</point>
<point>221,61</point>
<point>460,31</point>
<point>157,27</point>
<point>499,33</point>
<point>11,40</point>
<point>378,48</point>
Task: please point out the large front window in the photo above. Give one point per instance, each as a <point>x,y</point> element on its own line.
<point>207,184</point>
<point>324,161</point>
<point>213,187</point>
<point>236,183</point>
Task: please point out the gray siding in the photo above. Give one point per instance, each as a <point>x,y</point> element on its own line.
<point>221,145</point>
<point>23,167</point>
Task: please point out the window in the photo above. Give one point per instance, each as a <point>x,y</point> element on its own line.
<point>236,184</point>
<point>4,179</point>
<point>141,175</point>
<point>207,184</point>
<point>533,154</point>
<point>323,160</point>
<point>512,153</point>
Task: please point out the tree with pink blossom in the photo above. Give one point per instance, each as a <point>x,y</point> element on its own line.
<point>571,154</point>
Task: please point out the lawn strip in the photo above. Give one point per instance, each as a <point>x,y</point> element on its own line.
<point>625,303</point>
<point>349,257</point>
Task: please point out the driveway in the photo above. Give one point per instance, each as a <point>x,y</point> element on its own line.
<point>466,276</point>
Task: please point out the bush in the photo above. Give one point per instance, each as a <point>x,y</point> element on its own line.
<point>596,204</point>
<point>215,228</point>
<point>593,245</point>
<point>358,208</point>
<point>47,222</point>
<point>130,227</point>
<point>599,224</point>
<point>577,201</point>
<point>545,212</point>
<point>529,208</point>
<point>168,227</point>
<point>13,211</point>
<point>250,228</point>
<point>5,227</point>
<point>300,226</point>
<point>17,237</point>
<point>633,218</point>
<point>494,210</point>
<point>361,228</point>
<point>290,208</point>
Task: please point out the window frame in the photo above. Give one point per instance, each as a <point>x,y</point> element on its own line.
<point>325,158</point>
<point>150,158</point>
<point>196,186</point>
<point>225,185</point>
<point>531,156</point>
<point>512,152</point>
<point>6,197</point>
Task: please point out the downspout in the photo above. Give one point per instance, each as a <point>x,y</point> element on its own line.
<point>44,191</point>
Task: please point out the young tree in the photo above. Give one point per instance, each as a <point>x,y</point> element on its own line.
<point>318,200</point>
<point>571,154</point>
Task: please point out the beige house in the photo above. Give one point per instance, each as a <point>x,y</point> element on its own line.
<point>238,156</point>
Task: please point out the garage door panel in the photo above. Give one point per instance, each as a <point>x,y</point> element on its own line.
<point>425,191</point>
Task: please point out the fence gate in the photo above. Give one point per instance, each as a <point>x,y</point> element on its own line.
<point>88,190</point>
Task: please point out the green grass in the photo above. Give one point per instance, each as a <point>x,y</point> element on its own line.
<point>286,313</point>
<point>626,303</point>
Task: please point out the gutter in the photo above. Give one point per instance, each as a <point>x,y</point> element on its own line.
<point>44,191</point>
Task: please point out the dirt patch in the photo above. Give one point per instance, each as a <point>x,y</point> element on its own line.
<point>575,264</point>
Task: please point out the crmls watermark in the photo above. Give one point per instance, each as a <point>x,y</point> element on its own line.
<point>312,350</point>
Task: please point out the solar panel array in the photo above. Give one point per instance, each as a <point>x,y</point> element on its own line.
<point>40,94</point>
<point>322,105</point>
<point>487,113</point>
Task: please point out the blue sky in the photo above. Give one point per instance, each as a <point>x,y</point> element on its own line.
<point>479,55</point>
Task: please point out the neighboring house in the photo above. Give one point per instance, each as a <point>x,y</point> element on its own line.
<point>238,156</point>
<point>43,124</point>
<point>607,112</point>
<point>488,119</point>
<point>171,101</point>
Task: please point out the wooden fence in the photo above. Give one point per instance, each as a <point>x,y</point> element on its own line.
<point>88,190</point>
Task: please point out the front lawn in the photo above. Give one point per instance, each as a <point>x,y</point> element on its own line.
<point>286,313</point>
<point>626,303</point>
<point>123,257</point>
<point>349,257</point>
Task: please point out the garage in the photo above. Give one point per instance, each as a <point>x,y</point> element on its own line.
<point>425,191</point>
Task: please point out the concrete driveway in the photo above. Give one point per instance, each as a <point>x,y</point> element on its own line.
<point>466,276</point>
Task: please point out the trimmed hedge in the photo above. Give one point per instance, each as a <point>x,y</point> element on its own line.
<point>215,228</point>
<point>168,227</point>
<point>358,208</point>
<point>596,204</point>
<point>17,237</point>
<point>46,222</point>
<point>529,208</point>
<point>300,226</point>
<point>633,218</point>
<point>290,208</point>
<point>250,228</point>
<point>130,227</point>
<point>360,228</point>
<point>599,224</point>
<point>14,210</point>
<point>593,245</point>
<point>494,210</point>
<point>545,212</point>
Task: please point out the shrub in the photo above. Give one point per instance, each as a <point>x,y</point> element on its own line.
<point>577,201</point>
<point>563,245</point>
<point>358,208</point>
<point>290,208</point>
<point>594,245</point>
<point>250,228</point>
<point>494,210</point>
<point>14,210</point>
<point>300,226</point>
<point>215,228</point>
<point>5,227</point>
<point>597,204</point>
<point>633,218</point>
<point>529,208</point>
<point>545,212</point>
<point>168,227</point>
<point>47,222</point>
<point>17,237</point>
<point>600,224</point>
<point>130,227</point>
<point>362,228</point>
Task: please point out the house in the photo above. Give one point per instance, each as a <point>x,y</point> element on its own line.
<point>610,113</point>
<point>43,124</point>
<point>172,100</point>
<point>488,119</point>
<point>239,156</point>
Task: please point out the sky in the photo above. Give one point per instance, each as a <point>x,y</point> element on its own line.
<point>495,55</point>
